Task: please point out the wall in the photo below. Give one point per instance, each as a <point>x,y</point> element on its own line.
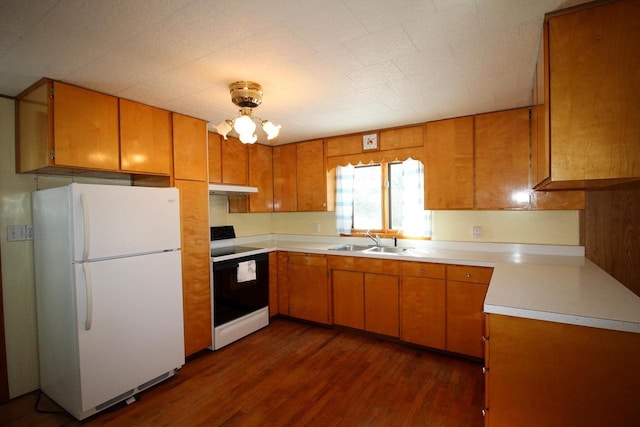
<point>612,232</point>
<point>18,284</point>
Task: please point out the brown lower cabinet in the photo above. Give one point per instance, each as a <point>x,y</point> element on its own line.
<point>541,373</point>
<point>309,296</point>
<point>433,305</point>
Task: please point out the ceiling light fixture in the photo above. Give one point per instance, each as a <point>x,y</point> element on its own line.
<point>246,95</point>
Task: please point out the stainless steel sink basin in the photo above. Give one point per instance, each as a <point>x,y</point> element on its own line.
<point>351,248</point>
<point>386,250</point>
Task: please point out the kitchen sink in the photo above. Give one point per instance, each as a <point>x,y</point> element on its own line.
<point>386,250</point>
<point>351,248</point>
<point>369,249</point>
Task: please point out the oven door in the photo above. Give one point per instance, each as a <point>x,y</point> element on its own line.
<point>236,294</point>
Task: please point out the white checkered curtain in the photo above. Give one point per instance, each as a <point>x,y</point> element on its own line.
<point>416,222</point>
<point>344,199</point>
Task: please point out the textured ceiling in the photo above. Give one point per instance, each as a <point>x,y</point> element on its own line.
<point>327,67</point>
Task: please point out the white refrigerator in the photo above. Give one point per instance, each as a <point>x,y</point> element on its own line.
<point>108,292</point>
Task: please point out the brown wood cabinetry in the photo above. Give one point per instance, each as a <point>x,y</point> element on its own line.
<point>541,373</point>
<point>194,226</point>
<point>189,148</point>
<point>502,160</point>
<point>285,191</point>
<point>308,283</point>
<point>466,290</point>
<point>594,110</point>
<point>215,157</point>
<point>261,176</point>
<point>273,284</point>
<point>235,162</point>
<point>283,282</point>
<point>311,179</point>
<point>62,127</point>
<point>423,304</point>
<point>405,137</point>
<point>381,304</point>
<point>348,298</point>
<point>363,297</point>
<point>145,139</point>
<point>448,148</point>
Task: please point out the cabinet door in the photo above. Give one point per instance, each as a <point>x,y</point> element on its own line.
<point>284,178</point>
<point>145,138</point>
<point>261,176</point>
<point>448,170</point>
<point>283,283</point>
<point>33,140</point>
<point>215,158</point>
<point>273,284</point>
<point>311,176</point>
<point>308,291</point>
<point>85,128</point>
<point>594,58</point>
<point>502,160</point>
<point>465,317</point>
<point>393,139</point>
<point>235,163</point>
<point>381,304</point>
<point>189,148</point>
<point>196,258</point>
<point>422,311</point>
<point>348,298</point>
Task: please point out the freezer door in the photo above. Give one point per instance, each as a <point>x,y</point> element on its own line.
<point>130,324</point>
<point>110,220</point>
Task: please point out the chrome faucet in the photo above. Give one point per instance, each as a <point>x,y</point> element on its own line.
<point>376,239</point>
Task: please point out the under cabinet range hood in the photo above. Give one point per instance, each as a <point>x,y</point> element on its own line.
<point>226,189</point>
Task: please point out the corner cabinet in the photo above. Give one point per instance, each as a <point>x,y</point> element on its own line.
<point>62,127</point>
<point>542,373</point>
<point>594,107</point>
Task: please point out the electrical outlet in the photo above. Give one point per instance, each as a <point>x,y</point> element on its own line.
<point>29,231</point>
<point>476,231</point>
<point>316,227</point>
<point>16,233</point>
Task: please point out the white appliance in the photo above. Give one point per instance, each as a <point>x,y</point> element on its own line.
<point>108,292</point>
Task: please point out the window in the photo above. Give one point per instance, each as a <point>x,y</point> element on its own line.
<point>386,198</point>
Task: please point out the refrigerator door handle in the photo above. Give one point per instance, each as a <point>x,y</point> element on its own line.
<point>86,229</point>
<point>89,296</point>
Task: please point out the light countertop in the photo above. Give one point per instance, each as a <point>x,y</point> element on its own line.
<point>553,283</point>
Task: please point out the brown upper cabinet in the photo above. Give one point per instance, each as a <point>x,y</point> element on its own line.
<point>593,102</point>
<point>261,176</point>
<point>235,162</point>
<point>189,148</point>
<point>66,127</point>
<point>311,176</point>
<point>284,178</point>
<point>406,137</point>
<point>448,147</point>
<point>502,160</point>
<point>145,138</point>
<point>215,157</point>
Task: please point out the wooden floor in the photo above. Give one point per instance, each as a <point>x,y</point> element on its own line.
<point>292,373</point>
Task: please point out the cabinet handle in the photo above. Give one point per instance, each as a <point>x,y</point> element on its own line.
<point>421,270</point>
<point>485,369</point>
<point>484,412</point>
<point>485,339</point>
<point>468,275</point>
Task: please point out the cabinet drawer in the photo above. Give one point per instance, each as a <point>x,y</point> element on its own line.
<point>423,269</point>
<point>308,259</point>
<point>376,265</point>
<point>465,273</point>
<point>340,262</point>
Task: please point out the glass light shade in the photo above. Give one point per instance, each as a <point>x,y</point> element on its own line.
<point>224,128</point>
<point>271,129</point>
<point>248,138</point>
<point>244,125</point>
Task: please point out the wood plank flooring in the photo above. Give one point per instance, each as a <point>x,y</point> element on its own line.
<point>291,374</point>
